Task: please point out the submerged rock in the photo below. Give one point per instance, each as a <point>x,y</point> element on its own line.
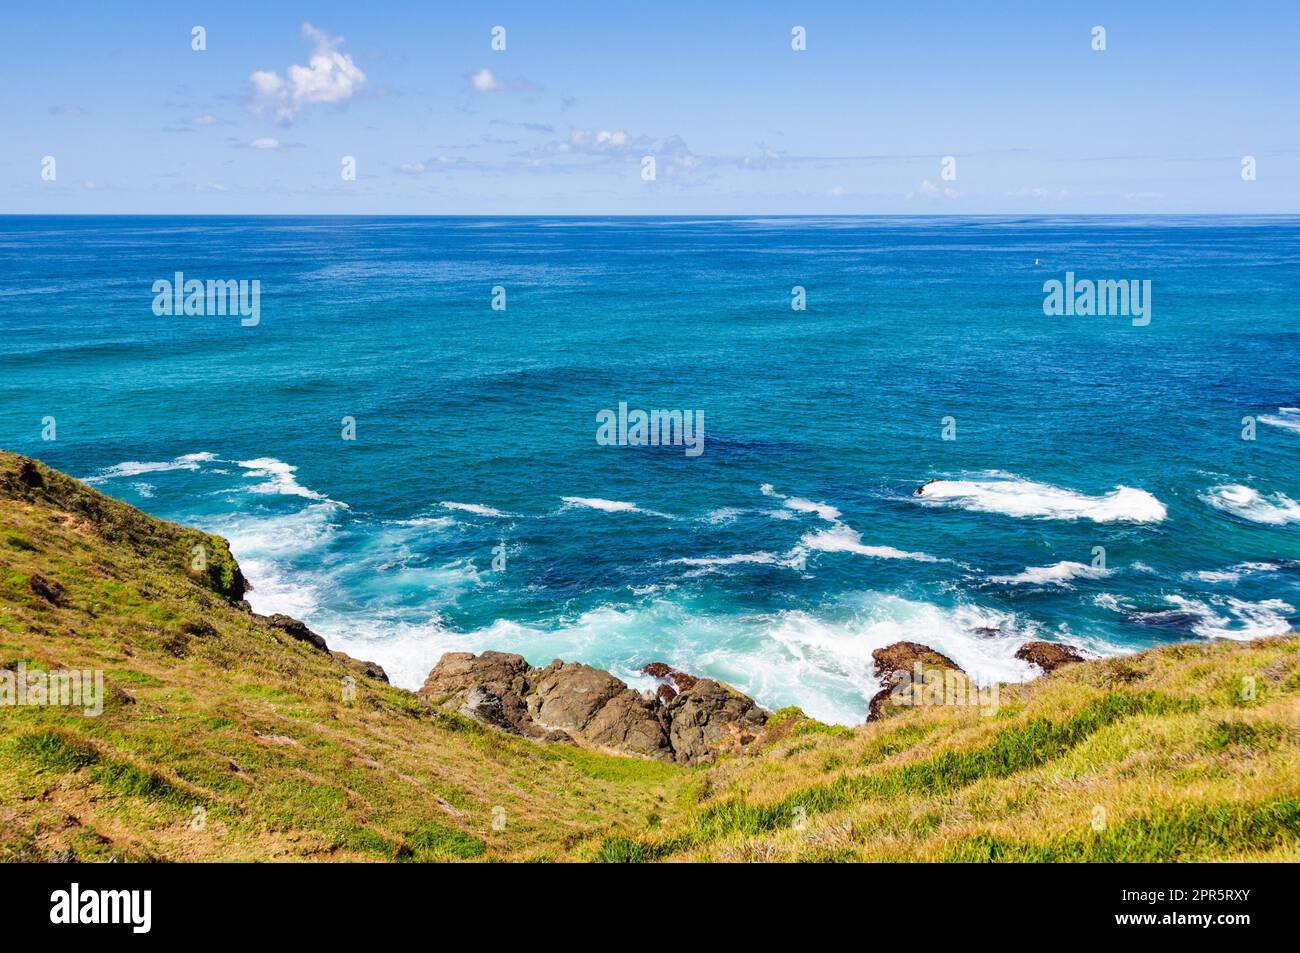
<point>1048,656</point>
<point>568,701</point>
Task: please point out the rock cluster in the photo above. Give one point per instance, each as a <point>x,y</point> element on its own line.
<point>899,665</point>
<point>568,701</point>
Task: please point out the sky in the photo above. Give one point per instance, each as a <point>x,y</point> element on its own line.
<point>899,108</point>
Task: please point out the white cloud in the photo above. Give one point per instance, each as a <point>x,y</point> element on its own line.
<point>484,82</point>
<point>206,119</point>
<point>266,142</point>
<point>329,77</point>
<point>929,190</point>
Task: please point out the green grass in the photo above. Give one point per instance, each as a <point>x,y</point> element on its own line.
<point>1188,833</point>
<point>207,707</point>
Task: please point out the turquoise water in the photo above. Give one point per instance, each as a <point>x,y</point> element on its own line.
<point>792,545</point>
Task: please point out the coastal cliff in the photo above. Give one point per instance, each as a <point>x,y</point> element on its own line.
<point>225,735</point>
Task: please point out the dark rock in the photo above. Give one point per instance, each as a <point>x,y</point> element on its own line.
<point>489,688</point>
<point>295,629</point>
<point>708,718</point>
<point>678,681</point>
<point>362,667</point>
<point>1048,656</point>
<point>30,475</point>
<point>986,631</point>
<point>898,664</point>
<point>47,589</point>
<point>567,701</point>
<point>596,707</point>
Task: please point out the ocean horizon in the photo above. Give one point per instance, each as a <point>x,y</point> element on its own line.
<point>419,433</point>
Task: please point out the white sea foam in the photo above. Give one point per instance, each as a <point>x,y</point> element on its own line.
<point>422,522</point>
<point>1288,418</point>
<point>1229,618</point>
<point>822,664</point>
<point>1247,503</point>
<point>260,536</point>
<point>476,508</point>
<point>1256,567</point>
<point>841,538</point>
<point>797,503</point>
<point>723,516</point>
<point>1108,600</point>
<point>279,478</point>
<point>1013,496</point>
<point>609,506</point>
<point>710,564</point>
<point>1058,574</point>
<point>130,468</point>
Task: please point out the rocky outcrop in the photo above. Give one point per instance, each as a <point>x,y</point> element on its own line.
<point>295,630</point>
<point>1049,656</point>
<point>568,701</point>
<point>299,631</point>
<point>362,667</point>
<point>671,680</point>
<point>710,717</point>
<point>898,667</point>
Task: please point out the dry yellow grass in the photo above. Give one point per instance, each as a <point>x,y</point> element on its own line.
<point>223,739</point>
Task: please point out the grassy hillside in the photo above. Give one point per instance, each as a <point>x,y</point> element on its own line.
<point>223,737</point>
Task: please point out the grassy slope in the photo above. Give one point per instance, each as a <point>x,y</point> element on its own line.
<point>208,709</point>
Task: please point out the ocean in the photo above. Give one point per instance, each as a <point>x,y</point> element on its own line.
<point>405,447</point>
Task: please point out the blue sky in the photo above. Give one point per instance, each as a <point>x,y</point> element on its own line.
<point>738,122</point>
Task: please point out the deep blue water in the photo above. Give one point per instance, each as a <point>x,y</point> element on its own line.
<point>1071,432</point>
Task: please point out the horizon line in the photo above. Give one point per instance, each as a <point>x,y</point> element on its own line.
<point>643,215</point>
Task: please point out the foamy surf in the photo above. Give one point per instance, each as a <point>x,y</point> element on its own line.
<point>1012,496</point>
<point>821,663</point>
<point>130,468</point>
<point>797,503</point>
<point>1247,503</point>
<point>1288,418</point>
<point>609,506</point>
<point>279,477</point>
<point>841,538</point>
<point>1229,618</point>
<point>1058,574</point>
<point>478,509</point>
